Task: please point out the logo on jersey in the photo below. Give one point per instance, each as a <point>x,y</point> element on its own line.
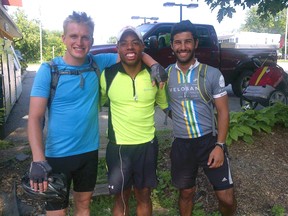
<point>221,81</point>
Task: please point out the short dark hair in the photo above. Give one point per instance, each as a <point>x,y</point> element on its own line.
<point>183,26</point>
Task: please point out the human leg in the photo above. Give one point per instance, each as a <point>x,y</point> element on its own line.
<point>82,170</point>
<point>145,177</point>
<point>57,208</point>
<point>121,203</point>
<point>185,201</point>
<point>127,165</point>
<point>184,170</point>
<point>221,179</point>
<point>61,212</point>
<point>227,202</point>
<point>144,203</point>
<point>81,203</point>
<point>84,181</point>
<point>119,176</point>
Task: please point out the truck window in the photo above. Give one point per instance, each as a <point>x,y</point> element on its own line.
<point>164,40</point>
<point>151,42</point>
<point>203,37</point>
<point>162,37</point>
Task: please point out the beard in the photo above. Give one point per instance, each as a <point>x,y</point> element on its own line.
<point>185,60</point>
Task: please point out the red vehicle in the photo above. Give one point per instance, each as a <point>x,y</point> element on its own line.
<point>234,63</point>
<point>267,86</point>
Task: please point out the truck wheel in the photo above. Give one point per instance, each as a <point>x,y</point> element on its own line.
<point>241,82</point>
<point>277,96</point>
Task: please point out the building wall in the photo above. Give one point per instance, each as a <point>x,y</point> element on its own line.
<point>250,39</point>
<point>10,73</point>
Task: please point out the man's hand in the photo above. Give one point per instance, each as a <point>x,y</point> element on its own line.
<point>159,75</point>
<point>216,158</point>
<point>38,175</point>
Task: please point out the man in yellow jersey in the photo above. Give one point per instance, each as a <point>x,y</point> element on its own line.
<point>133,148</point>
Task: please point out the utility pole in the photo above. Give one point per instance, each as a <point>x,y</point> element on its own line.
<point>40,32</point>
<point>285,41</point>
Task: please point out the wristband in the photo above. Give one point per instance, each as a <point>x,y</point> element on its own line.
<point>223,147</point>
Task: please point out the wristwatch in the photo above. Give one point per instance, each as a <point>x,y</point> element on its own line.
<point>221,145</point>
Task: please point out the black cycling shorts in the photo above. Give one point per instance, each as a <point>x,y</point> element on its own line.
<point>187,155</point>
<point>81,169</point>
<point>132,165</point>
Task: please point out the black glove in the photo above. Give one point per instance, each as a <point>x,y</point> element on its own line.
<point>39,171</point>
<point>158,73</point>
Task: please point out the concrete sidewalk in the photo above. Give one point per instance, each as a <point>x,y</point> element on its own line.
<point>16,124</point>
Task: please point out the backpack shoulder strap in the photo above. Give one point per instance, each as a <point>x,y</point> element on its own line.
<point>98,73</point>
<point>54,81</point>
<point>95,67</point>
<point>202,72</point>
<point>169,68</point>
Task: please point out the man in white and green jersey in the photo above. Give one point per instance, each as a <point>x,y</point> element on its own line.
<point>196,142</point>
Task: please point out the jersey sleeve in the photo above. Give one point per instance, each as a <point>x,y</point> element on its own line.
<point>105,60</point>
<point>216,82</point>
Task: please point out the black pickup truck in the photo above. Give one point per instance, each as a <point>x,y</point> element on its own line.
<point>235,64</point>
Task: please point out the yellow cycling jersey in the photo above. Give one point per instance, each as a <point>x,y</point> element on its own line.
<point>132,105</point>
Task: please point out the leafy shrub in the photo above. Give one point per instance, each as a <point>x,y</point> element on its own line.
<point>244,124</point>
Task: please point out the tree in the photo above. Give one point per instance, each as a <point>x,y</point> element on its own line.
<point>270,24</point>
<point>29,45</point>
<point>265,7</point>
<point>52,44</point>
<point>112,40</point>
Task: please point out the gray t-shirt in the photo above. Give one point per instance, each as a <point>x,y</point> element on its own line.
<point>191,115</point>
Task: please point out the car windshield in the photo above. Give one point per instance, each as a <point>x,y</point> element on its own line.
<point>144,28</point>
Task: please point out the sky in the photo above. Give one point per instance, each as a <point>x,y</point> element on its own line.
<point>111,15</point>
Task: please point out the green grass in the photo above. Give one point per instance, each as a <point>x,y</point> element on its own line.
<point>282,60</point>
<point>102,171</point>
<point>278,210</point>
<point>6,144</point>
